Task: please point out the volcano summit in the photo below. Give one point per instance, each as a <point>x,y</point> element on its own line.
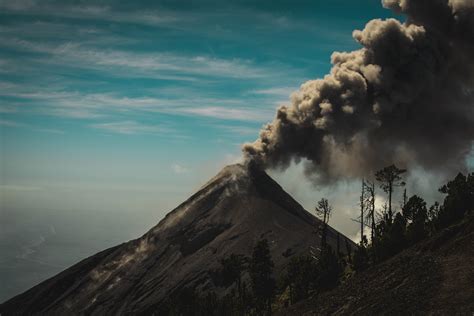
<point>228,215</point>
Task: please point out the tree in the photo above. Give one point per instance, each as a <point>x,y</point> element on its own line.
<point>329,269</point>
<point>362,204</point>
<point>390,177</point>
<point>414,208</point>
<point>361,259</point>
<point>433,215</point>
<point>301,273</point>
<point>232,268</point>
<point>370,189</point>
<point>261,275</point>
<point>367,203</point>
<point>459,199</point>
<point>390,235</point>
<point>416,212</point>
<point>397,235</point>
<point>323,211</point>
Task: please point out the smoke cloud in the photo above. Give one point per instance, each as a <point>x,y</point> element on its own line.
<point>405,97</point>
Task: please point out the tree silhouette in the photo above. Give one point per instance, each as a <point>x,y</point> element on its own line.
<point>301,273</point>
<point>390,177</point>
<point>415,208</point>
<point>329,269</point>
<point>232,268</point>
<point>323,211</point>
<point>459,199</point>
<point>261,274</point>
<point>370,200</point>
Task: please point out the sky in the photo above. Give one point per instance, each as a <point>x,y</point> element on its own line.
<point>135,105</point>
<point>112,112</point>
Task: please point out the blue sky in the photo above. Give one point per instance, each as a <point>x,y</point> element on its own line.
<point>150,96</point>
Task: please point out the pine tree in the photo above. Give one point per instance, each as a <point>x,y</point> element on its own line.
<point>261,274</point>
<point>323,211</point>
<point>390,177</point>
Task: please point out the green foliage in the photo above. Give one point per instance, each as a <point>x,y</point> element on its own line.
<point>261,275</point>
<point>418,222</point>
<point>390,177</point>
<point>232,268</point>
<point>415,208</point>
<point>329,269</point>
<point>391,237</point>
<point>360,260</point>
<point>459,200</point>
<point>301,275</point>
<point>415,211</point>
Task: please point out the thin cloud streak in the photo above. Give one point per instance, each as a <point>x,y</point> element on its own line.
<point>97,105</point>
<point>14,124</point>
<point>177,67</point>
<point>131,128</point>
<point>91,12</point>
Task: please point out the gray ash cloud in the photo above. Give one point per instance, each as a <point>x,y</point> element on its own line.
<point>405,97</point>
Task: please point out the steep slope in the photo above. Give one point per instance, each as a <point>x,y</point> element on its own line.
<point>434,277</point>
<point>227,215</point>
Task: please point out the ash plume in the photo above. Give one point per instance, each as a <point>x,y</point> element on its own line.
<point>405,97</point>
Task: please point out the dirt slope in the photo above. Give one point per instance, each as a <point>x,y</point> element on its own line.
<point>435,277</point>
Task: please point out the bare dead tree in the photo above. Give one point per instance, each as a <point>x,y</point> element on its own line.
<point>370,218</point>
<point>366,205</point>
<point>362,205</point>
<point>323,211</point>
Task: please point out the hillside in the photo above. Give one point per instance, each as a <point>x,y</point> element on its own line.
<point>228,215</point>
<point>435,276</point>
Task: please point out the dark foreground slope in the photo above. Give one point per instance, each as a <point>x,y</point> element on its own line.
<point>435,276</point>
<point>227,215</point>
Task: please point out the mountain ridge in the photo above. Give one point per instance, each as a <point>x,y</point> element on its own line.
<point>227,215</point>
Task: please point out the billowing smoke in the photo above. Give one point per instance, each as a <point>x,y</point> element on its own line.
<point>405,97</point>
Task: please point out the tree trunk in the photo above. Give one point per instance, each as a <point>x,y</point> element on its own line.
<point>373,213</point>
<point>362,213</point>
<point>390,189</point>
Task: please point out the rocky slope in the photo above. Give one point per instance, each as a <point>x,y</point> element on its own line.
<point>227,215</point>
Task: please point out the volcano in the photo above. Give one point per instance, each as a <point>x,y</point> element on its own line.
<point>228,215</point>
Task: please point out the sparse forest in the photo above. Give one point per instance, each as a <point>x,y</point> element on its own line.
<point>255,290</point>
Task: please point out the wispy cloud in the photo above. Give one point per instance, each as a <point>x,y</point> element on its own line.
<point>9,123</point>
<point>131,128</point>
<point>227,114</point>
<point>90,12</point>
<point>99,105</point>
<point>283,92</point>
<point>14,124</point>
<point>178,168</point>
<point>239,130</point>
<point>159,64</point>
